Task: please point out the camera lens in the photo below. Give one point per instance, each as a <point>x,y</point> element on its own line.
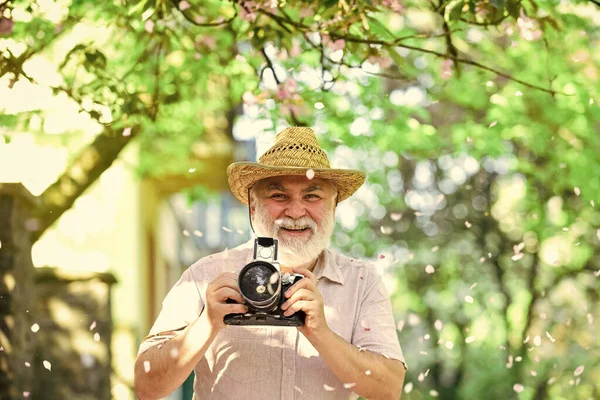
<point>260,284</point>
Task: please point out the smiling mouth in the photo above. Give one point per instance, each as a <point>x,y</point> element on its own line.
<point>295,230</point>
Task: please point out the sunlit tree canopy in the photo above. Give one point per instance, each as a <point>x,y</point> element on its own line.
<point>477,122</point>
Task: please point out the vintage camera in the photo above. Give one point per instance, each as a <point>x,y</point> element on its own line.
<point>263,286</point>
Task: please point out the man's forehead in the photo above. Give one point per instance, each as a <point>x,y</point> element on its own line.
<point>295,181</point>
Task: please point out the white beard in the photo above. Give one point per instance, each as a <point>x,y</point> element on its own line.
<point>295,251</point>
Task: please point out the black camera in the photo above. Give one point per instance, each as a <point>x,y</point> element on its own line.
<point>263,286</point>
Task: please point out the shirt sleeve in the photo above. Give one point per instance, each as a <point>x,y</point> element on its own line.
<point>182,306</point>
<point>375,329</point>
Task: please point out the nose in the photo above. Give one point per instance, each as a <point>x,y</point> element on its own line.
<point>295,209</point>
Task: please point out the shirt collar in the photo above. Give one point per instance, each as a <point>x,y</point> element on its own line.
<point>327,267</point>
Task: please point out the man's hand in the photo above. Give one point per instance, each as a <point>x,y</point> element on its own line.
<point>303,295</point>
<point>223,287</point>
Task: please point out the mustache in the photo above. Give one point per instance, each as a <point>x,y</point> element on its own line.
<point>300,223</point>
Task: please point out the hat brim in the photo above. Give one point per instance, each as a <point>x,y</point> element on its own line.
<point>243,175</point>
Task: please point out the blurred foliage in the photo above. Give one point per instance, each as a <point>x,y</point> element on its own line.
<point>477,122</point>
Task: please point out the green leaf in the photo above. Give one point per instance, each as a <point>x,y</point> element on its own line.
<point>455,10</point>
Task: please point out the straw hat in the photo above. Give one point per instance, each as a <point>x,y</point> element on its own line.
<point>295,152</point>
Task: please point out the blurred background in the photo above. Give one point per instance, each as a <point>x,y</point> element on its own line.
<point>477,123</point>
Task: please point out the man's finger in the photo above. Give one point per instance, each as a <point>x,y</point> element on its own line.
<point>224,293</point>
<point>301,284</point>
<point>306,272</point>
<point>223,281</point>
<point>302,305</point>
<point>232,309</point>
<point>302,294</point>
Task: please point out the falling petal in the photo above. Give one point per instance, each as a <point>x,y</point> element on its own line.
<point>518,359</point>
<point>368,372</point>
<point>526,339</point>
<point>423,353</point>
<point>517,387</point>
<point>184,5</point>
<point>598,234</point>
<point>518,93</point>
<point>427,372</point>
<point>241,232</point>
<point>592,203</point>
<point>551,380</point>
<point>421,377</point>
<point>27,364</point>
<point>127,131</point>
<point>413,319</point>
<point>550,337</point>
<point>537,340</point>
<point>438,325</point>
<point>533,373</point>
<point>427,336</point>
<point>429,269</point>
<point>328,388</point>
<point>47,365</point>
<point>400,325</point>
<point>386,230</point>
<point>433,393</point>
<point>467,224</point>
<point>349,385</point>
<point>174,352</point>
<point>473,285</point>
<point>310,174</point>
<point>579,370</point>
<point>395,216</point>
<point>449,345</point>
<point>577,191</point>
<point>482,259</point>
<point>35,328</point>
<point>198,233</point>
<point>590,318</point>
<point>364,325</point>
<point>435,248</point>
<point>468,299</point>
<point>226,229</point>
<point>192,170</point>
<point>92,326</point>
<point>517,257</point>
<point>470,339</point>
<point>381,256</point>
<point>493,124</point>
<point>408,387</point>
<point>26,394</point>
<point>147,366</point>
<point>0,244</point>
<point>97,337</point>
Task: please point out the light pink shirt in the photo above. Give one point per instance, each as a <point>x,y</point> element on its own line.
<point>266,362</point>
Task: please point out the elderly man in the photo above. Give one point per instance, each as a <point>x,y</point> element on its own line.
<point>348,344</point>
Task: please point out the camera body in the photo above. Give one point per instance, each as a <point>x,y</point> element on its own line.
<point>263,286</point>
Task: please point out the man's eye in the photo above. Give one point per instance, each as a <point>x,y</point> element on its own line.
<point>278,196</point>
<point>312,196</point>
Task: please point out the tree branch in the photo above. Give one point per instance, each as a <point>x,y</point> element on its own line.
<point>272,68</point>
<point>83,171</point>
<point>193,21</point>
<point>397,43</point>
